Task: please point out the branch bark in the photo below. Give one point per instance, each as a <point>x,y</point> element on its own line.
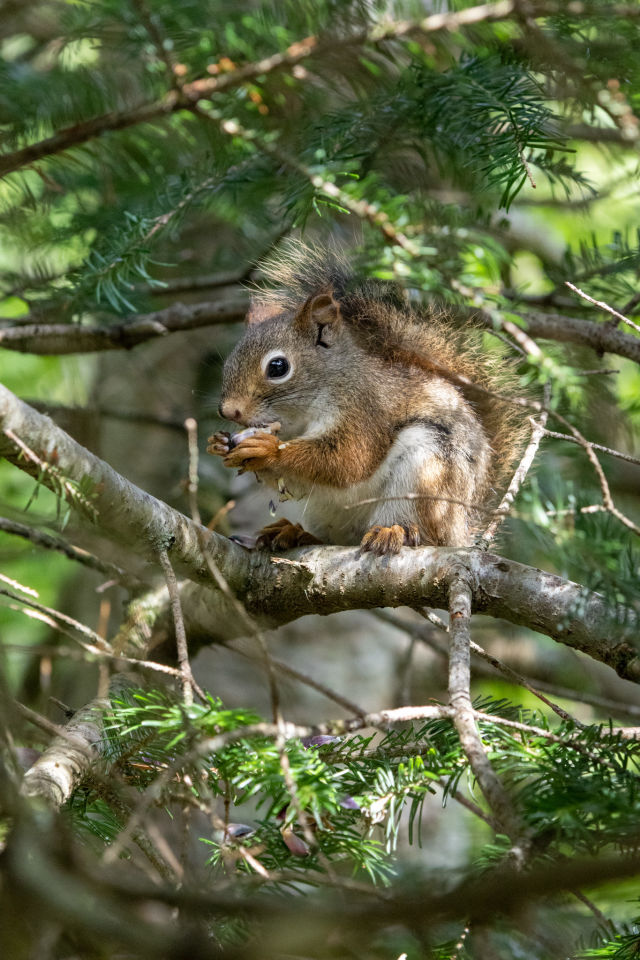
<point>65,338</point>
<point>601,337</point>
<point>69,757</point>
<point>276,590</point>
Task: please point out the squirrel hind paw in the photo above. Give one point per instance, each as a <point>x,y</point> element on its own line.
<point>383,541</point>
<point>284,535</point>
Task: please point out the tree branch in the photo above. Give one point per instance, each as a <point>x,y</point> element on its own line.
<point>202,89</point>
<point>601,337</point>
<point>64,338</point>
<point>64,763</point>
<point>276,590</point>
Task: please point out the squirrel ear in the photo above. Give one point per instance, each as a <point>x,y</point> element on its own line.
<point>323,311</point>
<point>259,311</point>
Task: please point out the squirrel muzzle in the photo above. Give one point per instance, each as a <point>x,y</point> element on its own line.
<point>234,409</point>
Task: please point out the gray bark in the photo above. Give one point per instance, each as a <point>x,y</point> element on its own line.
<point>277,590</point>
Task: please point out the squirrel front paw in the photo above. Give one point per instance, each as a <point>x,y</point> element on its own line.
<point>220,443</point>
<point>388,540</point>
<point>284,535</point>
<point>253,453</point>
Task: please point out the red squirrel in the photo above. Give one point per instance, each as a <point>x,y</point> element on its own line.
<point>356,404</point>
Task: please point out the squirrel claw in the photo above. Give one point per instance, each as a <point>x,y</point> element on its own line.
<point>284,535</point>
<point>383,541</point>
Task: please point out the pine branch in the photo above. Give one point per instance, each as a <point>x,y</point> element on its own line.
<point>191,94</point>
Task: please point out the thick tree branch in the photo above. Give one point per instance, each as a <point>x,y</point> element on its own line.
<point>276,590</point>
<point>69,757</point>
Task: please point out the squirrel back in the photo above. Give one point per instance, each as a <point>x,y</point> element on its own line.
<point>378,401</point>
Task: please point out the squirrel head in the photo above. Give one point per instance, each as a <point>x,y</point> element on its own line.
<point>287,365</point>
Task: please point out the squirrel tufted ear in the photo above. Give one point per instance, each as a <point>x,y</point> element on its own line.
<point>323,312</point>
<point>259,311</point>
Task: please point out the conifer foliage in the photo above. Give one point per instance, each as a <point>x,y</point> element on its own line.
<point>486,802</point>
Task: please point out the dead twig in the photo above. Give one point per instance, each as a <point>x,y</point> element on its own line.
<point>603,306</point>
<point>463,715</point>
<point>595,446</point>
<point>188,681</point>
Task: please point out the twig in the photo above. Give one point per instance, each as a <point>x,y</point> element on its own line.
<point>595,446</point>
<point>605,922</point>
<point>460,944</point>
<point>61,618</point>
<point>220,514</point>
<point>40,650</point>
<point>43,723</point>
<point>604,372</point>
<point>603,306</point>
<point>460,697</point>
<point>309,681</point>
<point>517,480</point>
<point>19,586</point>
<point>191,427</point>
<point>529,347</point>
<point>433,618</point>
<point>533,685</point>
<point>601,337</point>
<point>188,682</point>
<point>597,466</point>
<point>62,546</point>
<point>419,632</point>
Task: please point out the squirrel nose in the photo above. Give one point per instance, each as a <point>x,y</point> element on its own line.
<point>229,410</point>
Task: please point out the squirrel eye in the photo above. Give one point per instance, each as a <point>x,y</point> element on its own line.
<point>277,368</point>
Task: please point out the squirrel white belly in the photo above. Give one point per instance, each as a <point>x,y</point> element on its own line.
<point>343,515</point>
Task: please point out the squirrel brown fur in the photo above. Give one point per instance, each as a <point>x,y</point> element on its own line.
<point>390,430</point>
